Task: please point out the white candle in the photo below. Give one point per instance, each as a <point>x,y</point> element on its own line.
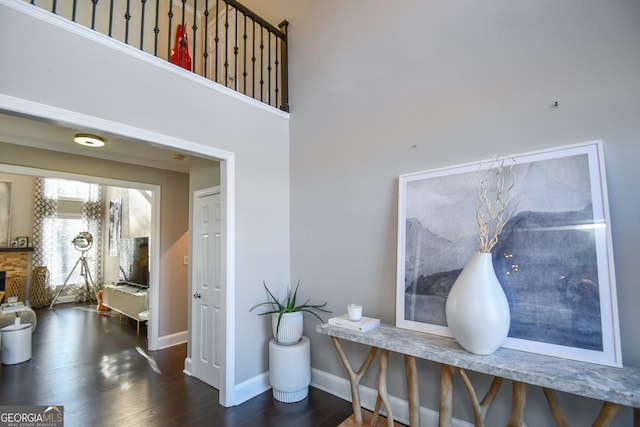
<point>354,311</point>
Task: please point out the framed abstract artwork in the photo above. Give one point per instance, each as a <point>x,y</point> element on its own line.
<point>115,226</point>
<point>553,259</point>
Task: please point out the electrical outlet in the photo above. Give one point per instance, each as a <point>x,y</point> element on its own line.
<point>185,260</point>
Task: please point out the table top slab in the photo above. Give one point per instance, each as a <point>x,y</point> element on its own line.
<point>612,384</point>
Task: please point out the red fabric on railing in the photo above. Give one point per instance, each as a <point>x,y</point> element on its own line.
<point>180,52</point>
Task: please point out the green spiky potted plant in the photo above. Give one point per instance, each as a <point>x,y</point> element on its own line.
<point>287,316</point>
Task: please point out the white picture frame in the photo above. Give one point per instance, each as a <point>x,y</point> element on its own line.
<point>23,242</point>
<point>559,279</point>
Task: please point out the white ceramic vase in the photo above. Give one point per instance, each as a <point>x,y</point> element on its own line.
<point>477,309</point>
<point>290,331</point>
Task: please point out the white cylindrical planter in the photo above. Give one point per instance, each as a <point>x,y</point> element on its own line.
<point>16,343</point>
<point>477,309</point>
<point>290,330</point>
<point>290,370</point>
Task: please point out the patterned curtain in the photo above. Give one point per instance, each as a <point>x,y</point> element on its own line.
<point>45,214</point>
<point>47,236</point>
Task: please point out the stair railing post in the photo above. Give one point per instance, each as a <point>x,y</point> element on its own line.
<point>284,67</point>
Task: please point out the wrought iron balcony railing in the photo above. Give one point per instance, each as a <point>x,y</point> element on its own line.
<point>220,40</point>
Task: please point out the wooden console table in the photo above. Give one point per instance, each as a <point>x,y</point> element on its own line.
<point>615,387</point>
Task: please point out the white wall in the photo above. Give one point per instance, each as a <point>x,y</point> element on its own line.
<point>383,88</point>
<point>54,67</point>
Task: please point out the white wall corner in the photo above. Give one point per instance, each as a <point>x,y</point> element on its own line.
<point>340,387</point>
<point>251,388</point>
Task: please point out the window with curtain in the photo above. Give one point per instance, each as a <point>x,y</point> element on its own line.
<point>63,209</point>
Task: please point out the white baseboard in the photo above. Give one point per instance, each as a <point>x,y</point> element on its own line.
<point>251,388</point>
<point>333,384</point>
<point>187,366</point>
<point>245,390</point>
<point>172,339</point>
<point>340,387</point>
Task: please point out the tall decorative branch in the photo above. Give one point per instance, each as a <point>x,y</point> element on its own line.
<point>492,212</point>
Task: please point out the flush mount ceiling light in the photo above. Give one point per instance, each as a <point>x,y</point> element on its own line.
<point>89,140</point>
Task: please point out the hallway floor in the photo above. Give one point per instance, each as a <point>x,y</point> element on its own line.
<point>93,365</point>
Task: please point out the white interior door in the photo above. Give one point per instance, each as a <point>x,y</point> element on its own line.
<point>206,311</point>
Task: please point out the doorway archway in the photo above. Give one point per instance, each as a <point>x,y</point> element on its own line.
<point>71,119</point>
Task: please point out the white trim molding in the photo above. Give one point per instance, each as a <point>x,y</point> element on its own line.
<point>252,387</point>
<point>171,340</point>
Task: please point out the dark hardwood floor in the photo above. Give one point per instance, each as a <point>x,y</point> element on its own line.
<point>88,363</point>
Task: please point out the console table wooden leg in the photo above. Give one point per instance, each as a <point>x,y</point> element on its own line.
<point>558,416</point>
<point>411,372</point>
<point>605,417</point>
<point>446,395</point>
<point>383,394</point>
<point>607,414</point>
<point>354,377</point>
<point>518,402</point>
<point>480,408</point>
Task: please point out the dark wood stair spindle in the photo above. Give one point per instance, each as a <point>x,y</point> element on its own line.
<point>205,51</point>
<point>144,4</point>
<point>226,45</point>
<point>194,40</point>
<point>261,63</point>
<point>235,54</point>
<point>244,57</point>
<point>170,15</point>
<point>110,18</point>
<point>156,29</point>
<point>127,17</point>
<point>216,40</point>
<point>183,43</point>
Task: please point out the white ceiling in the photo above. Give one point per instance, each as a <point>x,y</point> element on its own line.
<point>31,133</point>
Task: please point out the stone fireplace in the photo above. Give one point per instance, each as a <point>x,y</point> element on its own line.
<point>16,263</point>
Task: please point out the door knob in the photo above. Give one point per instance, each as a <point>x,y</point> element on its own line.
<point>197,295</point>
